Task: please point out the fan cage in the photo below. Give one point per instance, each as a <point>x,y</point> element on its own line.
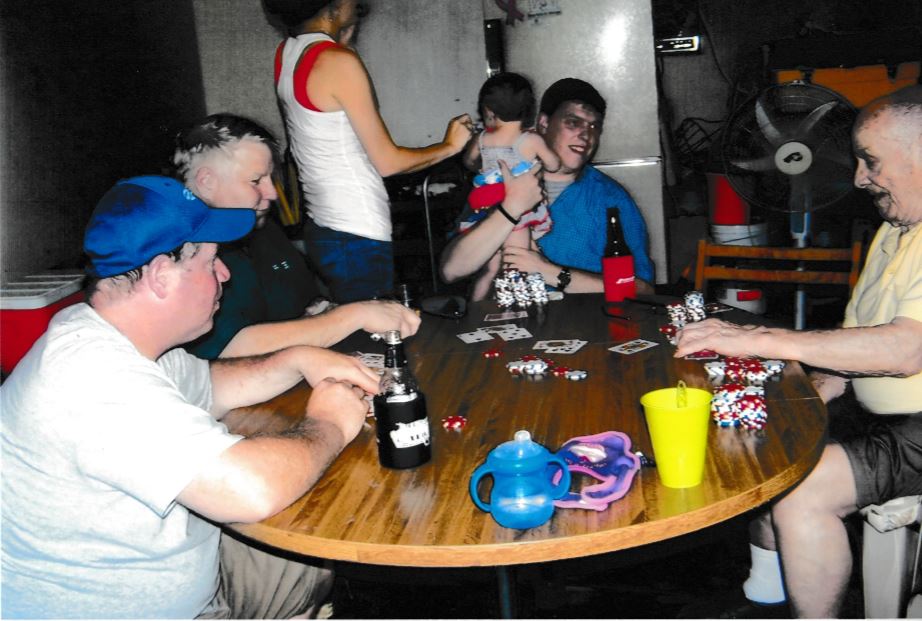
<point>814,116</point>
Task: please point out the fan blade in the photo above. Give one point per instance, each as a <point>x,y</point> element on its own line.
<point>806,126</point>
<point>757,164</point>
<point>836,156</point>
<point>771,133</point>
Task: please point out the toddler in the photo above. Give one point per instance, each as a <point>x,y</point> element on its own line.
<point>507,107</point>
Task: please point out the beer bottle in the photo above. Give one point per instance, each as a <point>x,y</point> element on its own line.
<point>617,261</point>
<point>400,411</point>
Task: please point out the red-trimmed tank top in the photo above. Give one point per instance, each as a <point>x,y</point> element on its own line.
<point>302,70</point>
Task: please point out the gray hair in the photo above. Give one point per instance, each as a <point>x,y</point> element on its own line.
<point>218,133</point>
<point>904,104</point>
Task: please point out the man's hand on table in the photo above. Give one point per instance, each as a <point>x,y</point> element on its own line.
<point>319,364</point>
<point>384,315</point>
<point>723,337</point>
<point>339,404</point>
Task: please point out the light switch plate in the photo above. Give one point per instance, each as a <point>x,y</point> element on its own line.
<point>543,7</point>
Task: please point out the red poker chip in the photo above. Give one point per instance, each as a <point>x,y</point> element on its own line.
<point>529,357</point>
<point>560,371</point>
<point>454,422</point>
<point>493,353</point>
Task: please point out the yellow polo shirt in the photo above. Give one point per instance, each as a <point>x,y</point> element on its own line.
<point>890,286</point>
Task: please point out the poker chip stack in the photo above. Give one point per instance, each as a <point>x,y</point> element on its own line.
<point>694,306</point>
<point>753,412</point>
<point>735,405</point>
<point>678,316</point>
<point>537,288</point>
<point>752,371</point>
<point>520,291</point>
<point>502,284</point>
<point>669,331</point>
<point>536,367</point>
<point>524,289</point>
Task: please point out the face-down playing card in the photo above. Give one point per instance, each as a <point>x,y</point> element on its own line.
<point>632,347</point>
<point>561,346</point>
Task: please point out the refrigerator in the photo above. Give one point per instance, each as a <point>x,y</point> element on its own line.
<point>608,43</point>
<point>428,60</point>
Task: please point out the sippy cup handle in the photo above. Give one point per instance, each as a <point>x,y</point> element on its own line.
<point>479,473</point>
<point>563,485</point>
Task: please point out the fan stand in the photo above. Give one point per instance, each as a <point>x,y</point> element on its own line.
<point>794,146</point>
<point>800,232</point>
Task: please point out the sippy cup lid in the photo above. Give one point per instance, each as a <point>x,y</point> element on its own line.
<point>519,453</point>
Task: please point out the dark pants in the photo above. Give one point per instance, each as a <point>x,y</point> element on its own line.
<point>884,451</point>
<point>352,267</point>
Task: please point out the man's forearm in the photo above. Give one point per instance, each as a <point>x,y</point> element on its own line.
<point>261,475</point>
<point>238,382</point>
<point>470,251</point>
<point>321,330</point>
<point>893,349</point>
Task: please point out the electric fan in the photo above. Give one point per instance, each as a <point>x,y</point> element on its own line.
<point>789,149</point>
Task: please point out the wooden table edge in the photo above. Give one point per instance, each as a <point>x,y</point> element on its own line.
<point>524,552</point>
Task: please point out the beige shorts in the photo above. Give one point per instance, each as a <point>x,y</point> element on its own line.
<point>256,584</point>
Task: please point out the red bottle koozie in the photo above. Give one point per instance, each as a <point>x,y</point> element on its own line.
<point>618,278</point>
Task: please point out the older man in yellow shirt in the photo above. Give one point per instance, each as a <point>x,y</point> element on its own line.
<point>890,287</point>
<point>879,345</point>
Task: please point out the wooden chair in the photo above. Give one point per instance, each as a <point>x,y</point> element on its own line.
<point>705,272</point>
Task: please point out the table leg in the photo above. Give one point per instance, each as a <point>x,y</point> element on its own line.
<point>505,578</point>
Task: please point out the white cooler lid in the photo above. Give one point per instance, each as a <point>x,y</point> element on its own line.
<point>39,290</point>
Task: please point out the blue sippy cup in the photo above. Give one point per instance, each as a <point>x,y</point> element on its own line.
<point>523,494</point>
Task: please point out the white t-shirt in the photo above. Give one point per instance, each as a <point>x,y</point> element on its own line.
<point>97,443</point>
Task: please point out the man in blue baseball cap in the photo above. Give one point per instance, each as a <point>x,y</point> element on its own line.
<point>116,465</point>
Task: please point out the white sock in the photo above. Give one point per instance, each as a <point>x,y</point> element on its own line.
<point>765,584</point>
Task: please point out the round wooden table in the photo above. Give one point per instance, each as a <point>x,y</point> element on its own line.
<point>361,512</point>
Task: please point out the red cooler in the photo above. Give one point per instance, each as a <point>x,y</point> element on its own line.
<point>27,304</point>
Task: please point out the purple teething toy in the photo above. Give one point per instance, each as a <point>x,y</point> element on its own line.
<point>606,456</point>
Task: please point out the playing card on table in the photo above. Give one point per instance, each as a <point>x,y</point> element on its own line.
<point>476,336</point>
<point>513,334</point>
<point>373,361</point>
<point>506,316</point>
<point>498,328</point>
<point>561,346</point>
<point>632,347</point>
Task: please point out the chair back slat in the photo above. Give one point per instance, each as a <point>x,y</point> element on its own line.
<point>806,275</point>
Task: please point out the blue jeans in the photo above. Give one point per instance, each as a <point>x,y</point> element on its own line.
<point>353,268</point>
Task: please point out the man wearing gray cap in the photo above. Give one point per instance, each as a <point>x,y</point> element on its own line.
<point>116,465</point>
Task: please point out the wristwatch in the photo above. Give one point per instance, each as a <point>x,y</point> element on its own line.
<point>563,279</point>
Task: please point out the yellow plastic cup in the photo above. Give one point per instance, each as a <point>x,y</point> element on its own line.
<point>679,434</point>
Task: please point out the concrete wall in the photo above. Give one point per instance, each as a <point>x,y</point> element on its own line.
<point>425,58</point>
<point>236,45</point>
<point>90,92</point>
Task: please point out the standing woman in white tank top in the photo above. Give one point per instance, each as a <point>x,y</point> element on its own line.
<point>342,147</point>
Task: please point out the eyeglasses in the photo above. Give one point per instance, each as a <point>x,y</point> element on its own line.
<point>576,123</point>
